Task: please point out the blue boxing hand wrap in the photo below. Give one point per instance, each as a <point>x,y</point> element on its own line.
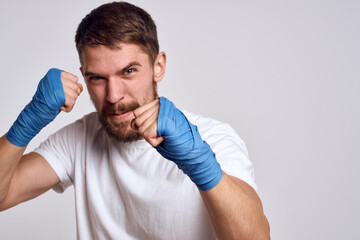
<point>184,146</point>
<point>43,108</point>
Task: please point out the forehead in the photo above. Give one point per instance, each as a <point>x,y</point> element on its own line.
<point>105,58</point>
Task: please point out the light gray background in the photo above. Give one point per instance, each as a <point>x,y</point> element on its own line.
<point>284,74</point>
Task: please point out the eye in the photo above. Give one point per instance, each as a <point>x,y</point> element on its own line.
<point>95,78</point>
<point>130,71</point>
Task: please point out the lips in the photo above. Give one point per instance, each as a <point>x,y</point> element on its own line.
<point>120,116</point>
<point>119,113</point>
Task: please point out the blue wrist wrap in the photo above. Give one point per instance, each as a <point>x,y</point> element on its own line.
<point>43,108</point>
<point>184,146</point>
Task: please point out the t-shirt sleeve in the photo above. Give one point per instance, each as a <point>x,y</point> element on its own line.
<point>59,152</point>
<point>231,153</point>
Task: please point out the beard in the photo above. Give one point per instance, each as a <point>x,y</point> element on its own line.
<point>122,131</point>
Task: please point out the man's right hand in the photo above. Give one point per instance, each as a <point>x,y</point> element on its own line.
<point>25,177</point>
<point>58,90</point>
<point>72,90</point>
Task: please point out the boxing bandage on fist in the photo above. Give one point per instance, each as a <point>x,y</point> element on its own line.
<point>183,145</point>
<point>43,108</point>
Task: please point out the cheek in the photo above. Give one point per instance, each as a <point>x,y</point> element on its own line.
<point>145,85</point>
<point>97,95</point>
<point>141,91</point>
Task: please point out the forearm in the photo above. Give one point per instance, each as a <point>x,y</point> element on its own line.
<point>234,207</point>
<point>10,156</point>
<point>235,210</point>
<point>57,90</point>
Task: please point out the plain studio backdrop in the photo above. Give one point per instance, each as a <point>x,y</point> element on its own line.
<point>284,74</point>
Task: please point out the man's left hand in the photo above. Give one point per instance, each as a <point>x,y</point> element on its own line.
<point>145,122</point>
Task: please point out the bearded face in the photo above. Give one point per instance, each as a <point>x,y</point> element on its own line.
<point>121,130</point>
<point>119,80</point>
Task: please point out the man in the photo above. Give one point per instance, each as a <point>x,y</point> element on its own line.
<point>141,168</point>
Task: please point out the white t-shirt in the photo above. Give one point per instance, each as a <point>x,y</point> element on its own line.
<point>128,190</point>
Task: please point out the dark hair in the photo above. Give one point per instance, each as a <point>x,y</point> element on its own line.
<point>116,22</point>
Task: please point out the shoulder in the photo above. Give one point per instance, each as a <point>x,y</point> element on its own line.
<point>210,128</point>
<point>203,122</point>
<point>87,124</point>
<point>70,139</point>
<point>229,148</point>
<point>90,120</point>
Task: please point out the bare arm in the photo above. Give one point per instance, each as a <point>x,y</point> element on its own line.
<point>23,177</point>
<point>234,207</point>
<point>10,156</point>
<point>236,210</point>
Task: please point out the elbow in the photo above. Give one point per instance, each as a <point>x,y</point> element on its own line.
<point>258,234</point>
<point>2,208</point>
<point>3,202</point>
<point>262,232</point>
<point>2,198</point>
<point>258,231</point>
<point>264,235</point>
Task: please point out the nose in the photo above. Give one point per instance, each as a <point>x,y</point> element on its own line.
<point>114,91</point>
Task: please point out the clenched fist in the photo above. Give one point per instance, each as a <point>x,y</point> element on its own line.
<point>72,90</point>
<point>145,122</point>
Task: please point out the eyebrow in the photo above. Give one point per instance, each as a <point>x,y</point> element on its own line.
<point>132,64</point>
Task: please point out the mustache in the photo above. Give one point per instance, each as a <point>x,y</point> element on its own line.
<point>115,108</point>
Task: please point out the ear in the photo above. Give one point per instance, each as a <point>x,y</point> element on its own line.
<point>159,67</point>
